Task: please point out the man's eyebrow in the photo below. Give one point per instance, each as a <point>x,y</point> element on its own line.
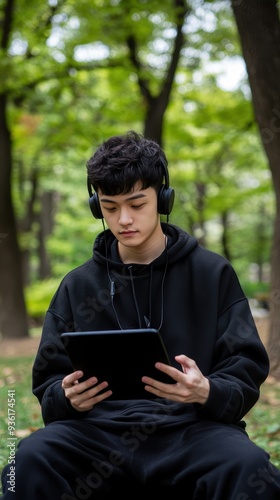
<point>133,197</point>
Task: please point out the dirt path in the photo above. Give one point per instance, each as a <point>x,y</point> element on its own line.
<point>19,347</point>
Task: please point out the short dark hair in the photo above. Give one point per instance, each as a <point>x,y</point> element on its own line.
<point>123,160</point>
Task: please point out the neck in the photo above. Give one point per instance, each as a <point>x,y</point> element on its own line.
<point>143,255</point>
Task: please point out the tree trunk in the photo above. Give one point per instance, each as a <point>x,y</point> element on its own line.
<point>24,225</point>
<point>156,105</point>
<point>45,229</point>
<point>13,318</point>
<point>259,30</point>
<point>224,238</point>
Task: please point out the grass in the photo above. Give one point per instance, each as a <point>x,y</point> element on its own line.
<point>263,424</point>
<point>15,374</point>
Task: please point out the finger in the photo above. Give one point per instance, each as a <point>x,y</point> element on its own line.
<point>185,362</point>
<point>69,380</point>
<point>182,358</point>
<point>175,392</point>
<point>86,384</point>
<point>92,391</point>
<point>78,389</point>
<point>164,390</point>
<point>173,372</point>
<point>89,398</point>
<point>162,386</point>
<point>89,403</point>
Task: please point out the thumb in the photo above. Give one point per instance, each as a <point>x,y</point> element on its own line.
<point>185,362</point>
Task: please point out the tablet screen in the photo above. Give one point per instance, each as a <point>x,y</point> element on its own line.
<point>121,357</point>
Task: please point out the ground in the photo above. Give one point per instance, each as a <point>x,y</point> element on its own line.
<point>19,347</point>
<point>28,346</point>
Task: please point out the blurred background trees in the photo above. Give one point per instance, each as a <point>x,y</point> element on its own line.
<point>186,73</point>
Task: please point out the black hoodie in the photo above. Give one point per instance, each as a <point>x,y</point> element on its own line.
<point>192,295</point>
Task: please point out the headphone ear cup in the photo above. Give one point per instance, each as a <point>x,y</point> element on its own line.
<point>166,197</point>
<point>95,206</point>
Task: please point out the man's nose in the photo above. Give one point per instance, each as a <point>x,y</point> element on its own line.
<point>125,216</point>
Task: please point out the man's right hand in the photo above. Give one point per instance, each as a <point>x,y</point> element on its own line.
<point>84,395</point>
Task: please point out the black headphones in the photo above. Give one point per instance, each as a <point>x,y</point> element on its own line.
<point>166,196</point>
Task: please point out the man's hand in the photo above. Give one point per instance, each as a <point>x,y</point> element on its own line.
<point>190,385</point>
<point>84,395</point>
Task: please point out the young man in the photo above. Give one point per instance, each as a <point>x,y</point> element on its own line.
<point>190,436</point>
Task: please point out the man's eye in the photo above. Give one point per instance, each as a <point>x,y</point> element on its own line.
<point>110,209</point>
<point>138,206</point>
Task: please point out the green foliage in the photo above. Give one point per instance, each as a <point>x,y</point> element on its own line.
<point>38,296</point>
<point>255,289</point>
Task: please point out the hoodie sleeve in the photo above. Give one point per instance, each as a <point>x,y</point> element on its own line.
<point>52,364</point>
<point>240,363</point>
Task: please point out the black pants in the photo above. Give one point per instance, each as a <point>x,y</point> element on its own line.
<point>75,460</point>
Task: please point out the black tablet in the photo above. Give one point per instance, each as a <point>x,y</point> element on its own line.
<point>121,357</point>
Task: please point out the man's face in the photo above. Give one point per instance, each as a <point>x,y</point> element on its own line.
<point>133,218</point>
